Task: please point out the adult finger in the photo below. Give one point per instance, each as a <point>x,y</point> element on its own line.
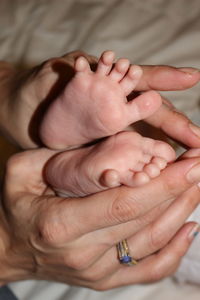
<point>158,233</point>
<point>115,206</point>
<point>156,266</point>
<point>100,261</point>
<point>162,78</point>
<point>183,130</point>
<point>106,209</point>
<point>146,241</point>
<point>166,78</point>
<point>190,153</point>
<point>147,234</point>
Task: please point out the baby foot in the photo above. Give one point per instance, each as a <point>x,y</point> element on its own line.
<point>94,104</point>
<point>126,158</point>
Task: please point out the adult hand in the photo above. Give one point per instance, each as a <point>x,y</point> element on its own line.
<point>164,78</point>
<point>26,95</point>
<point>73,240</point>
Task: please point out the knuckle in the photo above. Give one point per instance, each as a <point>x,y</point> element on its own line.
<point>14,164</point>
<point>98,273</point>
<point>101,286</point>
<point>77,261</point>
<point>54,227</point>
<point>156,275</point>
<point>157,272</point>
<point>52,232</point>
<point>82,258</point>
<point>157,239</point>
<point>18,164</point>
<point>94,276</point>
<point>48,234</point>
<point>164,266</point>
<point>170,187</point>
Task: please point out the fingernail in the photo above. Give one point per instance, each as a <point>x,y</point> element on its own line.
<point>194,232</point>
<point>193,175</point>
<point>189,70</point>
<point>195,129</point>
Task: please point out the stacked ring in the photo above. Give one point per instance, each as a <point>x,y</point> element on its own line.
<point>124,255</point>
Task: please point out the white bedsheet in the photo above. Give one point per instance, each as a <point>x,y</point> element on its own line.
<point>146,32</point>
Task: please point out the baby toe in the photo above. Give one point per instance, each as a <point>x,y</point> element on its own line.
<point>105,63</point>
<point>164,150</point>
<point>140,178</point>
<point>131,79</point>
<point>159,162</point>
<point>120,69</point>
<point>82,65</point>
<point>151,170</point>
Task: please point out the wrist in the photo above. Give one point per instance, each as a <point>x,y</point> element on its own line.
<point>15,262</point>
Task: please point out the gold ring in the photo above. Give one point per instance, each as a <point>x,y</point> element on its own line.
<point>124,254</point>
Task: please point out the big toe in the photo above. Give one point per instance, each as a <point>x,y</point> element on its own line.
<point>110,178</point>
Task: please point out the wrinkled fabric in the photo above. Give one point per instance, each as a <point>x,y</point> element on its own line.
<point>146,32</point>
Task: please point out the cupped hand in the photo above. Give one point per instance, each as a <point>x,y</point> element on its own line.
<point>158,78</point>
<point>27,95</point>
<point>166,78</point>
<point>74,240</point>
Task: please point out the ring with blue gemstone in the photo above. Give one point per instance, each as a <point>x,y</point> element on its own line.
<point>124,254</point>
